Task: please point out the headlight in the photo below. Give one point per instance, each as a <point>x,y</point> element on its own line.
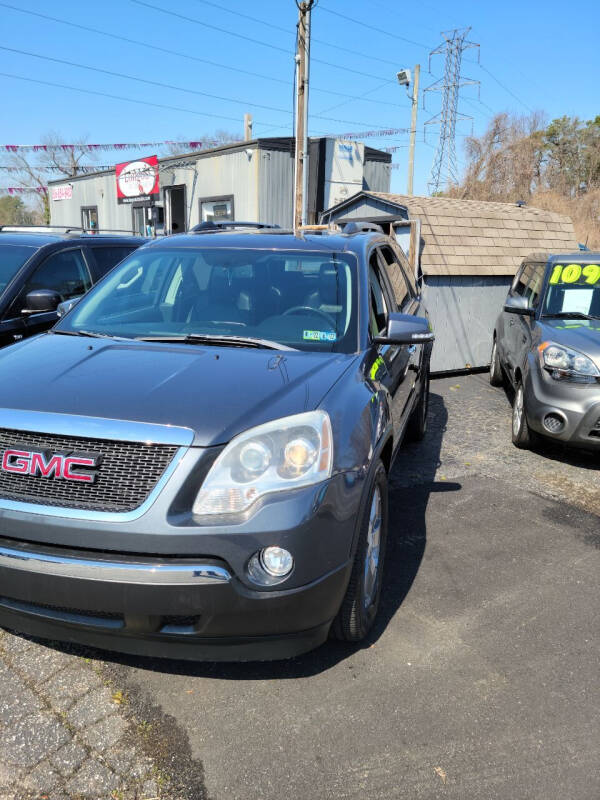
<point>566,364</point>
<point>284,454</point>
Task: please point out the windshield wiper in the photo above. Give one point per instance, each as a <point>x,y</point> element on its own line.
<point>94,335</point>
<point>225,341</point>
<point>570,315</point>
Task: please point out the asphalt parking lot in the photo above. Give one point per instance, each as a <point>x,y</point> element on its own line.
<point>479,681</point>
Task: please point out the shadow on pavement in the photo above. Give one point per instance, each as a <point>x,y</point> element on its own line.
<point>411,483</point>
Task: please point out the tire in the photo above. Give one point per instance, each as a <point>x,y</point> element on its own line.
<point>416,427</point>
<point>496,374</point>
<point>361,601</point>
<point>522,435</point>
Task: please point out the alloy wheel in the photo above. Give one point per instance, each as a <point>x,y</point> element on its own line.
<point>371,573</point>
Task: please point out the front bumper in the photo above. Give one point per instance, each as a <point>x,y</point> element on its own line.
<point>179,608</point>
<point>576,405</point>
<point>164,585</point>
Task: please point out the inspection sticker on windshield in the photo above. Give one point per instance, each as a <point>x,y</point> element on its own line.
<point>319,336</point>
<point>575,273</point>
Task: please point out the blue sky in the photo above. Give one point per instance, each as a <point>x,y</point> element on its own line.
<point>543,53</point>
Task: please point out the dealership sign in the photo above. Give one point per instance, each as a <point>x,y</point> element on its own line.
<point>137,180</point>
<point>64,192</point>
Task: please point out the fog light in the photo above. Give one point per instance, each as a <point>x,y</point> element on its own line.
<point>276,561</point>
<point>554,423</point>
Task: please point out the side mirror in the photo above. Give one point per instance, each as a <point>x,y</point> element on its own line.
<point>41,301</point>
<point>406,329</point>
<point>67,305</point>
<point>518,305</point>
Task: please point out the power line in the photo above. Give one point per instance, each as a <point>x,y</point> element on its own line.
<point>372,27</point>
<point>117,97</point>
<point>176,53</point>
<point>280,28</point>
<point>161,85</point>
<point>250,38</point>
<point>506,89</point>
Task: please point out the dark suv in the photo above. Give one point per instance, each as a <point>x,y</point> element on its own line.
<point>42,269</point>
<point>547,342</point>
<point>194,462</point>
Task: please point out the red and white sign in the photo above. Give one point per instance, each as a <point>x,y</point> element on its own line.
<point>51,465</point>
<point>137,180</point>
<point>64,192</point>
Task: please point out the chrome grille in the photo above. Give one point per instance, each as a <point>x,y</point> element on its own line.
<point>128,472</point>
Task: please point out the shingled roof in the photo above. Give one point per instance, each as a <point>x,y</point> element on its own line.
<point>471,237</point>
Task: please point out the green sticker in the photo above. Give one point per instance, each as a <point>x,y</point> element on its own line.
<point>575,273</point>
<point>319,336</point>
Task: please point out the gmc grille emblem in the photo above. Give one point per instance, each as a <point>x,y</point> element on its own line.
<point>68,466</point>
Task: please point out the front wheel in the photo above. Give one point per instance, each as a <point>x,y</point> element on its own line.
<point>361,601</point>
<point>496,374</point>
<point>522,435</point>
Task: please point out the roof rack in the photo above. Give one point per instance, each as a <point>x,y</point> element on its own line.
<point>65,230</point>
<point>360,226</point>
<point>214,227</point>
<point>332,227</point>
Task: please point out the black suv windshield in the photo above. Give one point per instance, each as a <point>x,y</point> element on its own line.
<point>573,291</point>
<point>305,300</point>
<point>12,258</point>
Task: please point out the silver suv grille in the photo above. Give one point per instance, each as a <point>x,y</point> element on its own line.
<point>127,473</point>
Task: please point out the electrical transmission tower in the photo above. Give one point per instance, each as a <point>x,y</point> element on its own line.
<point>444,172</point>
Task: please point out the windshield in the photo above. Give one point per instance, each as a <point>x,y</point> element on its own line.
<point>573,290</point>
<point>12,258</point>
<point>304,300</point>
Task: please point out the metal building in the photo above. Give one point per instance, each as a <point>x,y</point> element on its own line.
<point>251,181</point>
<point>468,252</point>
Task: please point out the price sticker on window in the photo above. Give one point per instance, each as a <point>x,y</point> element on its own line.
<point>575,274</point>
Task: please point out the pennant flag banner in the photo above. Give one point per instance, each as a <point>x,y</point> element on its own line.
<point>90,148</point>
<point>23,190</point>
<point>372,134</point>
<point>52,168</point>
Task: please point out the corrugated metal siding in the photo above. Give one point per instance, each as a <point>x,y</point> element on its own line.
<point>376,174</point>
<point>463,311</point>
<point>233,173</point>
<point>276,187</point>
<point>98,191</point>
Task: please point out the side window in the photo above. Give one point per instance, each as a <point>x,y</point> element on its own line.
<point>396,276</point>
<point>65,273</point>
<point>377,303</point>
<point>534,287</point>
<point>522,279</point>
<point>108,257</point>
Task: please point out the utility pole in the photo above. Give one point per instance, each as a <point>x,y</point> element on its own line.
<point>302,74</point>
<point>247,127</point>
<point>413,130</point>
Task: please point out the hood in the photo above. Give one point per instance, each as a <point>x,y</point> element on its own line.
<point>218,392</point>
<point>580,334</point>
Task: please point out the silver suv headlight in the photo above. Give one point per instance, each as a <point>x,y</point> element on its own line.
<point>566,364</point>
<point>284,454</point>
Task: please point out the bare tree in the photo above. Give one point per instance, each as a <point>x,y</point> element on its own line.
<point>35,168</point>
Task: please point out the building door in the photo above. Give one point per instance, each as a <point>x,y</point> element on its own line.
<point>89,218</point>
<point>175,209</point>
<point>140,219</point>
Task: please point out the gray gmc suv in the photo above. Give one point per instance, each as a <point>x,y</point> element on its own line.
<point>547,343</point>
<point>194,461</point>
